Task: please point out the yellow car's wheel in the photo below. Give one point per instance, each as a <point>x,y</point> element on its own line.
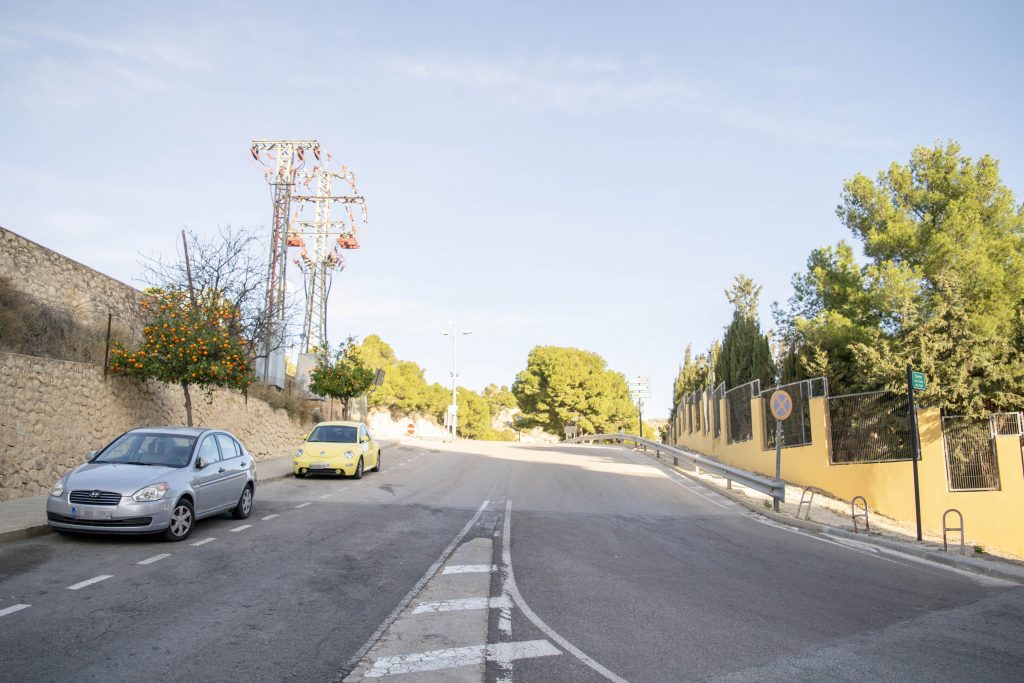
<point>376,467</point>
<point>358,474</point>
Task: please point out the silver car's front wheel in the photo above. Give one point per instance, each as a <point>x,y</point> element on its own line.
<point>183,518</point>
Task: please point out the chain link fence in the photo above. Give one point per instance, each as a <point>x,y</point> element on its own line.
<point>971,463</point>
<point>869,427</point>
<point>739,416</point>
<point>716,408</point>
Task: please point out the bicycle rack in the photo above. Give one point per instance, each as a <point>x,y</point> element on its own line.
<point>807,502</point>
<point>856,515</point>
<point>963,550</point>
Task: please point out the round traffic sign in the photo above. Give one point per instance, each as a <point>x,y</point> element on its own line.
<point>410,429</point>
<point>781,404</point>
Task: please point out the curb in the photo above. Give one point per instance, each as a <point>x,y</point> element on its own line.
<point>975,566</point>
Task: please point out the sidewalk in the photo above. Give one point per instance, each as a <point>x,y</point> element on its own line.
<point>26,517</point>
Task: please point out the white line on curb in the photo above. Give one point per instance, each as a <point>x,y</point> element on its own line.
<point>460,656</point>
<point>205,541</point>
<point>461,604</point>
<point>240,528</point>
<point>155,558</point>
<point>469,569</point>
<point>269,517</point>
<point>89,582</point>
<point>302,506</point>
<point>12,609</point>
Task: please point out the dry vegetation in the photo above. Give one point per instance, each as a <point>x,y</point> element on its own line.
<point>31,327</point>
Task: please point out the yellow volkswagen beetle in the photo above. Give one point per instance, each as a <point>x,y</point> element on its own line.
<point>339,448</point>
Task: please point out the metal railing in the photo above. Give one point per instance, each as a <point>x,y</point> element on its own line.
<point>771,487</point>
<point>873,426</point>
<point>739,417</point>
<point>971,463</point>
<point>716,408</point>
<point>796,431</point>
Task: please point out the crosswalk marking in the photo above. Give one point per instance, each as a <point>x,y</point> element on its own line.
<point>461,604</point>
<point>469,569</point>
<point>449,658</point>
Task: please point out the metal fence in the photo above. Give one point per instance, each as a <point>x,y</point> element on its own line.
<point>739,417</point>
<point>716,408</point>
<point>971,463</point>
<point>796,430</point>
<point>706,395</point>
<point>869,427</point>
<point>1007,424</point>
<point>696,412</point>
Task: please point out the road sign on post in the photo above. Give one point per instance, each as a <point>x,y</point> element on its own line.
<point>781,404</point>
<point>639,389</point>
<point>917,380</point>
<point>410,429</point>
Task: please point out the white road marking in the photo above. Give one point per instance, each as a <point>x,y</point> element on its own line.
<point>469,569</point>
<point>205,541</point>
<point>240,528</point>
<point>461,604</point>
<point>513,590</point>
<point>89,582</point>
<point>270,517</point>
<point>155,558</point>
<point>460,656</point>
<point>302,506</point>
<point>675,478</point>
<point>12,609</point>
<point>414,591</point>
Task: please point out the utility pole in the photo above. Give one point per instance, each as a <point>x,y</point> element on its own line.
<point>453,409</point>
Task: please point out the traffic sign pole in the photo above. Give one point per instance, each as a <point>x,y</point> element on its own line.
<point>915,443</point>
<point>781,404</point>
<point>778,458</point>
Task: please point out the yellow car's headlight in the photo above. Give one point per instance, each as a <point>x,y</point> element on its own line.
<point>349,454</point>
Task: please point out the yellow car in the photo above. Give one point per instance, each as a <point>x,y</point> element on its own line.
<point>340,448</point>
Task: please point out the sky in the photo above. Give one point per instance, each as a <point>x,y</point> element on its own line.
<point>582,174</point>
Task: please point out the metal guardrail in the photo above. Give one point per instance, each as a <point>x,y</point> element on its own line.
<point>770,487</point>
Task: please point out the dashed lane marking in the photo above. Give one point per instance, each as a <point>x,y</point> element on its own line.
<point>155,558</point>
<point>302,506</point>
<point>89,582</point>
<point>12,609</point>
<point>240,528</point>
<point>269,517</point>
<point>460,656</point>
<point>462,604</point>
<point>469,569</point>
<point>205,541</point>
<point>326,495</point>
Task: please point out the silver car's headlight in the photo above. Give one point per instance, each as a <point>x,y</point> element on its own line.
<point>349,454</point>
<point>150,493</point>
<point>58,489</point>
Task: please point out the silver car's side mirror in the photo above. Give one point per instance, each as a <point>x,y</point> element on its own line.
<point>92,454</point>
<point>200,463</point>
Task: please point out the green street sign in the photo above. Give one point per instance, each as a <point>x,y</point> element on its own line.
<point>917,381</point>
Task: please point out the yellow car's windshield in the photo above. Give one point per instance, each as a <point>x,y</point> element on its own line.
<point>333,434</point>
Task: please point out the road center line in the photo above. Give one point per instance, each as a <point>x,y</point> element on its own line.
<point>205,541</point>
<point>270,517</point>
<point>460,656</point>
<point>155,558</point>
<point>302,506</point>
<point>12,609</point>
<point>469,569</point>
<point>461,604</point>
<point>326,495</point>
<point>240,528</point>
<point>414,591</point>
<point>513,590</point>
<point>89,582</point>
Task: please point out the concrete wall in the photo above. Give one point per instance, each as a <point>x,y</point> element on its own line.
<point>59,281</point>
<point>52,413</point>
<point>993,519</point>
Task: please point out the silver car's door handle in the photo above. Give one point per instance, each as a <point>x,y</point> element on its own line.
<point>244,464</point>
<point>221,470</point>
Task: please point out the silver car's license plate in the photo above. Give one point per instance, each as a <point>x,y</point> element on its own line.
<point>91,513</point>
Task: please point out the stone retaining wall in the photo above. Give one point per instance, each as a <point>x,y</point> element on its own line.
<point>52,413</point>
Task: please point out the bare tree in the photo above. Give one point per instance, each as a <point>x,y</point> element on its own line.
<point>234,263</point>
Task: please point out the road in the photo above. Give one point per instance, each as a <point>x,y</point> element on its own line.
<point>497,562</point>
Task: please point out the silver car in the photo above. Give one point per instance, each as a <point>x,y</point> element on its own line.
<point>156,479</point>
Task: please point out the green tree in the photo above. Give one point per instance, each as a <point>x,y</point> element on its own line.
<point>564,385</point>
<point>189,341</point>
<point>694,375</point>
<point>344,377</point>
<point>745,353</point>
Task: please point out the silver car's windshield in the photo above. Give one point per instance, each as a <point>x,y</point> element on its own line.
<point>147,448</point>
<point>333,434</point>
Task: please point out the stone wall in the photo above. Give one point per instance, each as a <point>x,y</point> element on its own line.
<point>59,281</point>
<point>52,413</point>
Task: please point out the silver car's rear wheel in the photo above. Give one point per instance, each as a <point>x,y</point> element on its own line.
<point>183,518</point>
<point>244,506</point>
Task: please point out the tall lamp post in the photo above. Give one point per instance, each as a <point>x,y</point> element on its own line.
<point>453,409</point>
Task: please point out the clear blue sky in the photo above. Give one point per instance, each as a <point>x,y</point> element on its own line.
<point>586,174</point>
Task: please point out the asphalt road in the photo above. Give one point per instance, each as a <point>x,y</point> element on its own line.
<point>603,566</point>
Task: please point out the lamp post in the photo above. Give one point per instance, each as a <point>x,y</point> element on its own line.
<point>453,409</point>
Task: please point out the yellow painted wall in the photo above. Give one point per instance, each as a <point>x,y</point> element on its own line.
<point>993,519</point>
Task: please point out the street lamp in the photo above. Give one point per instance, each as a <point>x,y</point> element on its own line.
<point>453,409</point>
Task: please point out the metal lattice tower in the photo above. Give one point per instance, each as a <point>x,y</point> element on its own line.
<point>280,159</point>
<point>318,266</point>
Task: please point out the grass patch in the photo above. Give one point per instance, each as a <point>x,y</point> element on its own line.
<point>298,407</point>
<point>33,328</point>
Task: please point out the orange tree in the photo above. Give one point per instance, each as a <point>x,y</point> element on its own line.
<point>187,342</point>
<point>344,377</point>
